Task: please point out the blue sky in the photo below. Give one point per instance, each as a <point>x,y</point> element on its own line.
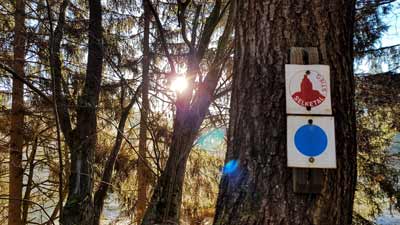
<point>392,36</point>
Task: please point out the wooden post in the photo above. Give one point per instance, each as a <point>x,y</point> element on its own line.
<point>306,180</point>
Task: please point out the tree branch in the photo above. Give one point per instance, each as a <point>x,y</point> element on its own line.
<point>162,36</point>
<point>181,19</point>
<point>209,28</point>
<point>378,49</point>
<point>26,82</point>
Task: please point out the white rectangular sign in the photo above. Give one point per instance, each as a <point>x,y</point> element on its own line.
<point>308,89</point>
<point>311,142</point>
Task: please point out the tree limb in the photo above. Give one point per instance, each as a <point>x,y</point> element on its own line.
<point>162,36</point>
<point>26,82</point>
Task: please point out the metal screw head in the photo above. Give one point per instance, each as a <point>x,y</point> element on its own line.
<point>311,160</point>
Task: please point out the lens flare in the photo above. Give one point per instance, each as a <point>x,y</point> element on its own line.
<point>230,167</point>
<point>212,140</point>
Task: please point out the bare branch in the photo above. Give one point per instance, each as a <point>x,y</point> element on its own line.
<point>26,82</point>
<point>162,36</point>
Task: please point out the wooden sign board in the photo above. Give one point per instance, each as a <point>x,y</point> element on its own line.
<point>308,89</point>
<point>311,142</point>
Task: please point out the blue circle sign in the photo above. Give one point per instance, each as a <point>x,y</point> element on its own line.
<point>310,140</point>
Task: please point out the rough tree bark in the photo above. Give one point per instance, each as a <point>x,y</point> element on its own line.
<point>17,119</point>
<point>142,171</point>
<point>260,191</point>
<point>165,203</point>
<point>79,206</point>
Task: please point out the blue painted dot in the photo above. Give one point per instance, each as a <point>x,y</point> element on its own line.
<point>310,140</point>
<point>230,167</point>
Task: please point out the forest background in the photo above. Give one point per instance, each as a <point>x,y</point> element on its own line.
<point>149,51</point>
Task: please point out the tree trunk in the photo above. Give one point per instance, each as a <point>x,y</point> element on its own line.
<point>60,104</point>
<point>165,203</point>
<point>142,171</point>
<point>79,206</point>
<point>29,186</point>
<point>17,119</point>
<point>101,192</point>
<point>260,191</point>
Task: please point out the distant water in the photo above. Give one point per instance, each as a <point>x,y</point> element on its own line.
<point>387,219</point>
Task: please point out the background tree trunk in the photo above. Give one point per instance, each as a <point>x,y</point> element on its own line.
<point>17,119</point>
<point>104,185</point>
<point>79,206</point>
<point>29,182</point>
<point>167,197</point>
<point>142,171</point>
<point>191,109</point>
<point>260,191</point>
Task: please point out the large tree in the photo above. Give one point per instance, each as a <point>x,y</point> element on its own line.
<point>143,173</point>
<point>260,191</point>
<point>82,140</point>
<point>17,119</point>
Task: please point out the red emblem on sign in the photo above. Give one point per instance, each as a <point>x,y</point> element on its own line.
<point>312,89</point>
